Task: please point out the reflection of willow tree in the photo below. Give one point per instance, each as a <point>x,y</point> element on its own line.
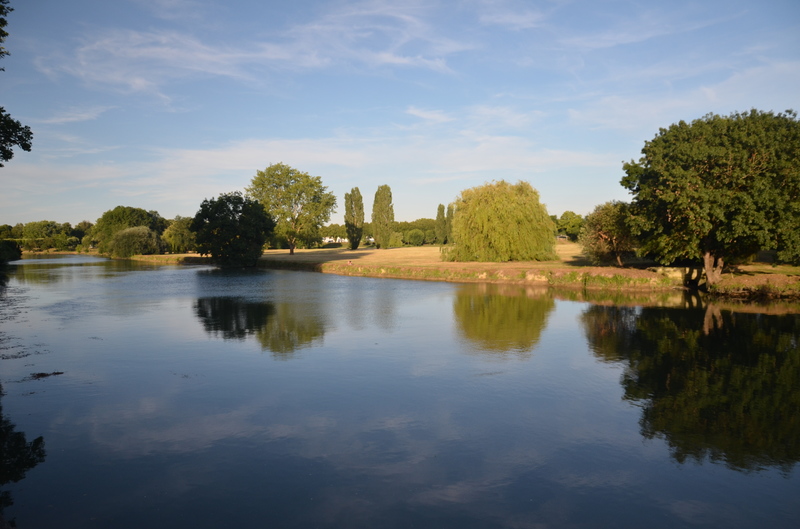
<point>281,328</point>
<point>233,318</point>
<point>293,327</point>
<point>714,384</point>
<point>502,319</point>
<point>17,456</point>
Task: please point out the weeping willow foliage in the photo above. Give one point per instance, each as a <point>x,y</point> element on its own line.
<point>499,222</point>
<point>503,322</point>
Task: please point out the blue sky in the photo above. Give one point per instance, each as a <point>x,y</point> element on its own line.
<point>161,103</point>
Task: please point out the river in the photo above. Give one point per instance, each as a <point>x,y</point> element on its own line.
<point>162,396</point>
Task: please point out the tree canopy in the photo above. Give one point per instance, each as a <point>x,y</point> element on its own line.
<point>179,236</point>
<point>719,188</point>
<point>441,225</point>
<point>12,132</point>
<point>606,235</point>
<point>354,217</point>
<point>139,240</point>
<point>297,201</point>
<point>383,217</point>
<point>232,229</point>
<point>121,218</point>
<point>499,222</point>
<point>570,224</point>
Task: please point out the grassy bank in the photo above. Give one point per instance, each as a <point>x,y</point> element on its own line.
<point>424,263</point>
<point>571,271</point>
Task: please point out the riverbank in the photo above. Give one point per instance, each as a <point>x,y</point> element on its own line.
<point>755,281</point>
<point>424,263</point>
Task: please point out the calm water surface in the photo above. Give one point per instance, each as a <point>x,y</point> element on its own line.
<point>192,397</point>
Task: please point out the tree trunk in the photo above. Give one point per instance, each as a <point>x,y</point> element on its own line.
<point>713,268</point>
<point>713,318</point>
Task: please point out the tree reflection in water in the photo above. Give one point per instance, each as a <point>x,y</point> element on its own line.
<point>17,456</point>
<point>282,328</point>
<point>714,384</point>
<point>293,327</point>
<point>232,318</point>
<point>502,319</point>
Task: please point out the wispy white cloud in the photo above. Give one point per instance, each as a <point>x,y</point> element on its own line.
<point>776,83</point>
<point>641,27</point>
<point>76,114</point>
<point>172,9</point>
<point>369,34</point>
<point>432,116</point>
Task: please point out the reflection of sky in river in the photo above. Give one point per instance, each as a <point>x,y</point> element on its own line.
<point>388,415</point>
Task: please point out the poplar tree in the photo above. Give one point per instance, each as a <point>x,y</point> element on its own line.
<point>441,225</point>
<point>382,217</point>
<point>448,222</point>
<point>354,217</point>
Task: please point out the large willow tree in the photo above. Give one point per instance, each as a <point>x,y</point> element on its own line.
<point>499,222</point>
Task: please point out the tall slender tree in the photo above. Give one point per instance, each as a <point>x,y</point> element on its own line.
<point>449,223</point>
<point>382,216</point>
<point>441,225</point>
<point>354,217</point>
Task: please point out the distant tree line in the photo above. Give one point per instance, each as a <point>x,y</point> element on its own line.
<point>709,193</point>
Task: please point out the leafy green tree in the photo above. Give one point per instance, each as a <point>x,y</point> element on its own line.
<point>12,132</point>
<point>6,231</point>
<point>354,217</point>
<point>81,229</point>
<point>500,222</point>
<point>719,188</point>
<point>449,223</point>
<point>232,229</point>
<point>298,202</point>
<point>368,233</point>
<point>570,224</point>
<point>46,234</point>
<point>383,217</point>
<point>139,240</point>
<point>334,230</point>
<point>121,218</point>
<point>606,234</point>
<point>9,251</point>
<point>441,225</point>
<point>41,229</point>
<point>179,236</point>
<point>414,237</point>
